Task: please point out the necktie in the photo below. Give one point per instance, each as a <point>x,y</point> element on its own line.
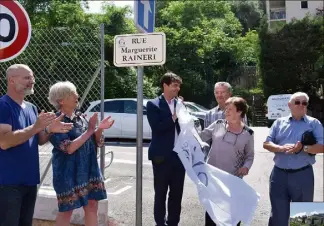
<point>176,121</point>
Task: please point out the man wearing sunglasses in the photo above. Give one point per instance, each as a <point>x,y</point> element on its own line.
<point>292,178</point>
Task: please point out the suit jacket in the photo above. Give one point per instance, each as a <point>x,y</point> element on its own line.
<point>163,128</point>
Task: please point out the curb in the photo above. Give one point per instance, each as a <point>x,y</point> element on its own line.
<point>46,208</point>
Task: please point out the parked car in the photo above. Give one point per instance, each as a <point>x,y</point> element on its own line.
<point>197,111</point>
<point>124,112</point>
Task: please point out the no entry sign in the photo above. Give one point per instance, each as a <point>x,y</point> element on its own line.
<point>15,29</point>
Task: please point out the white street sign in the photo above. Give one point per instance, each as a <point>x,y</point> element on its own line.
<point>139,49</point>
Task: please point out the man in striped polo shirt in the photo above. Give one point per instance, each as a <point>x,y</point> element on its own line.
<point>222,91</point>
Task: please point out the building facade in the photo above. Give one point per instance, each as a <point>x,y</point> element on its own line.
<point>283,11</point>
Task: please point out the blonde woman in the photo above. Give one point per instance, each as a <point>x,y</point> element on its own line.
<point>76,175</point>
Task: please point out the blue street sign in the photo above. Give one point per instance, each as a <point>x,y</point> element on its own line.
<point>144,15</point>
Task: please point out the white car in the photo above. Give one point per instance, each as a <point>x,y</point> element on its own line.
<point>123,111</point>
<point>197,111</point>
<point>194,107</point>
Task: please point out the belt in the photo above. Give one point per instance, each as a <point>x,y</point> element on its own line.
<point>293,170</point>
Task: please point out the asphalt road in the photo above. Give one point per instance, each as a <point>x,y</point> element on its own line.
<point>121,185</point>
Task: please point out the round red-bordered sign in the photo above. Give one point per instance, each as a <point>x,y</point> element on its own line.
<point>22,30</point>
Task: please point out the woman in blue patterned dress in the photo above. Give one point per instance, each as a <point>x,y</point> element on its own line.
<point>77,178</point>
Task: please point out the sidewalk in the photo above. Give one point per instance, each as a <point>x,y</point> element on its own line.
<point>37,222</point>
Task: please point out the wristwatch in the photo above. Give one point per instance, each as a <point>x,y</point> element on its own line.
<point>46,130</point>
<point>305,148</point>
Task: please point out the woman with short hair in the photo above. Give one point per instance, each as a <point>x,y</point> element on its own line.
<point>232,147</point>
<point>77,179</point>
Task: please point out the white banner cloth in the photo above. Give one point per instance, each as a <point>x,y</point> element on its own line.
<point>227,198</point>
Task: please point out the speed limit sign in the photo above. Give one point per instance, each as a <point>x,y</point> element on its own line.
<point>15,29</point>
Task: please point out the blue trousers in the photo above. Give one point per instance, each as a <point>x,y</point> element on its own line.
<point>17,203</point>
<point>168,175</point>
<point>286,187</point>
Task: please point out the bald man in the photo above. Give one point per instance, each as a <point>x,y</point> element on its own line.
<point>21,131</point>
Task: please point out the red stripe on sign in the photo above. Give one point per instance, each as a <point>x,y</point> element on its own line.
<point>23,31</point>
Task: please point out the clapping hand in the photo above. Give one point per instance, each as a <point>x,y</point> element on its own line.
<point>92,123</point>
<point>43,120</point>
<point>57,126</point>
<point>106,123</point>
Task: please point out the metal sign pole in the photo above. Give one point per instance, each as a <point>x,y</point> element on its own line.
<point>139,146</point>
<point>102,78</point>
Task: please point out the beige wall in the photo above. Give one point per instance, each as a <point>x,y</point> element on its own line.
<point>294,10</point>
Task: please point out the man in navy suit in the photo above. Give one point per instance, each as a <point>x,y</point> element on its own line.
<point>168,170</point>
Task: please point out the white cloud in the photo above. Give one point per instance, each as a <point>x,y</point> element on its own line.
<point>95,6</point>
<point>300,214</point>
<point>307,214</point>
<point>314,212</point>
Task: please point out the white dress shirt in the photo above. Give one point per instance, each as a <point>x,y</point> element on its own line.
<point>171,106</point>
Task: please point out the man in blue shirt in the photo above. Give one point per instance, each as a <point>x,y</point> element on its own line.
<point>292,178</point>
<point>21,131</point>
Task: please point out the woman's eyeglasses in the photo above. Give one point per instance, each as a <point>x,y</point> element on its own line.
<point>229,138</point>
<point>304,103</point>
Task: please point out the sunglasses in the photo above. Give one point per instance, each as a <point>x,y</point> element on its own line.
<point>304,103</point>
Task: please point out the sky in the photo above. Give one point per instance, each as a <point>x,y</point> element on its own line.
<point>95,6</point>
<point>305,208</point>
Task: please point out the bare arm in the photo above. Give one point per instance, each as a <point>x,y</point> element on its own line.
<point>104,124</point>
<point>315,149</point>
<point>287,148</point>
<point>272,147</point>
<point>98,134</point>
<point>270,143</point>
<point>56,126</point>
<point>9,138</point>
<point>43,138</point>
<point>78,142</point>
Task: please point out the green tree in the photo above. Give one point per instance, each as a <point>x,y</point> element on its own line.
<point>38,9</point>
<point>201,45</point>
<point>204,43</point>
<point>249,13</point>
<point>69,16</point>
<point>290,59</point>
